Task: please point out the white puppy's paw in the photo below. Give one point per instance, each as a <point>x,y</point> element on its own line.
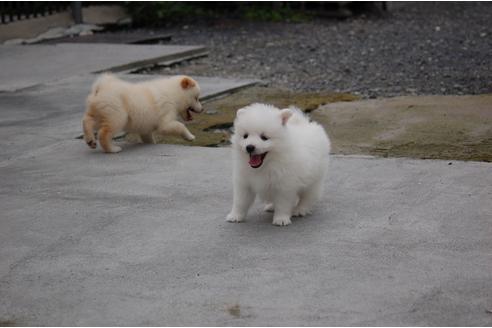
<point>281,220</point>
<point>301,211</point>
<point>190,137</point>
<point>269,207</point>
<point>233,217</point>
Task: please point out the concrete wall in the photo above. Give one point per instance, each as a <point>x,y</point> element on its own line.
<point>30,28</point>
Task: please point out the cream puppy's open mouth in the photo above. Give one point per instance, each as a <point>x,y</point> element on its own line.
<point>189,116</point>
<point>255,160</point>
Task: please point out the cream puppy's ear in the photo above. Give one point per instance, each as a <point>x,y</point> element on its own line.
<point>187,83</point>
<point>285,114</point>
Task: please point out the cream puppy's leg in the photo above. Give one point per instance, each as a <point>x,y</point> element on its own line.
<point>111,125</point>
<point>243,198</point>
<point>106,140</point>
<point>148,138</point>
<point>88,125</point>
<point>175,128</point>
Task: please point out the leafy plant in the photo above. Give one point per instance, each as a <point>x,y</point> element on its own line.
<point>160,13</point>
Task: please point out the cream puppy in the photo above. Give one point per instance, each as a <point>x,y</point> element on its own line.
<point>280,156</point>
<point>115,105</point>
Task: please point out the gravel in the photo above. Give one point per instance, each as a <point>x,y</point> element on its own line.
<point>414,48</point>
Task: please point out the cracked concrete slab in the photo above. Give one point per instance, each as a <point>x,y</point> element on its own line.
<point>28,66</point>
<point>139,238</point>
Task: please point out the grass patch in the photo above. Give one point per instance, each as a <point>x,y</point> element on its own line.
<point>159,13</point>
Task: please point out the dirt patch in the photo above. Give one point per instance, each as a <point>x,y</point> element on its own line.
<point>9,323</point>
<point>440,127</point>
<point>234,310</point>
<point>212,128</point>
<point>427,127</point>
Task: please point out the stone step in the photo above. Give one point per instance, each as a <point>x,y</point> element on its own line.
<point>116,38</point>
<point>28,66</point>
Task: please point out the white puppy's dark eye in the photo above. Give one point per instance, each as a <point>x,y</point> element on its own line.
<point>264,137</point>
<point>245,136</point>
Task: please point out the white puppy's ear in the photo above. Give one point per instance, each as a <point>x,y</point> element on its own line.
<point>285,114</point>
<point>187,83</point>
<point>240,111</point>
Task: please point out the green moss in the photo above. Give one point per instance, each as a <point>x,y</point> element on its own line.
<point>432,127</point>
<point>481,151</point>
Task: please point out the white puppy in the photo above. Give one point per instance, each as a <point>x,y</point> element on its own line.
<point>280,156</point>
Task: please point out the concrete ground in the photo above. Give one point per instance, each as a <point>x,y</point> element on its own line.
<point>139,238</point>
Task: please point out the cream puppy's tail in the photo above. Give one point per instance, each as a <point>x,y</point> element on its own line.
<point>103,79</point>
<point>88,123</point>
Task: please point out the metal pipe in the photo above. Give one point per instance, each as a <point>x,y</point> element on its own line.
<point>77,11</point>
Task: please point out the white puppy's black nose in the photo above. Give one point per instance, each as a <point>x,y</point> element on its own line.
<point>250,148</point>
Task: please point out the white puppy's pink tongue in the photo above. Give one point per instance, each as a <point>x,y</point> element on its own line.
<point>255,160</point>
